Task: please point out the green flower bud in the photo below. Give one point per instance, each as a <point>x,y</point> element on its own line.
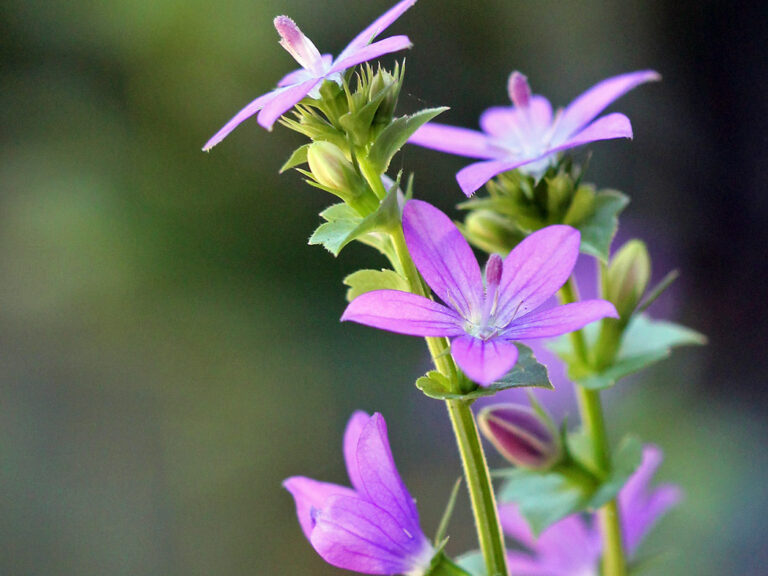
<point>627,277</point>
<point>522,435</point>
<point>386,87</point>
<point>492,232</point>
<point>331,169</point>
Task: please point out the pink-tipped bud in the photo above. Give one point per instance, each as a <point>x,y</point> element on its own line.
<point>298,45</point>
<point>519,90</point>
<point>493,270</point>
<point>521,435</point>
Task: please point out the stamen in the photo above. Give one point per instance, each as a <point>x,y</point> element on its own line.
<point>519,90</point>
<point>298,45</point>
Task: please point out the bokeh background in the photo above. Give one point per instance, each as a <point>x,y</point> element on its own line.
<point>170,347</point>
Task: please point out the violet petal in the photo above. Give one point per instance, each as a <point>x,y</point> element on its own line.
<point>286,100</point>
<point>377,27</point>
<point>453,140</point>
<point>472,177</point>
<point>355,426</point>
<point>559,320</point>
<point>586,107</point>
<point>241,116</point>
<point>403,313</point>
<point>535,269</point>
<point>484,361</point>
<point>506,122</point>
<point>386,46</point>
<point>443,256</point>
<point>311,495</point>
<point>300,75</point>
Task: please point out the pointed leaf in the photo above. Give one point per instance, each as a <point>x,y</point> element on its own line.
<point>364,281</point>
<point>334,235</point>
<point>394,136</point>
<point>597,229</point>
<point>442,528</point>
<point>298,157</point>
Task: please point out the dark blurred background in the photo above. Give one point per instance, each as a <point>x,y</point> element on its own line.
<point>170,347</point>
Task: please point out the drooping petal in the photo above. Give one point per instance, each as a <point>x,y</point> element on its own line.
<point>586,107</point>
<point>403,313</point>
<point>535,269</point>
<point>356,534</point>
<point>377,27</point>
<point>381,483</point>
<point>355,426</point>
<point>443,256</point>
<point>286,100</point>
<point>484,361</point>
<point>452,140</point>
<point>472,177</point>
<point>559,320</point>
<point>642,506</point>
<point>386,46</point>
<point>310,496</point>
<point>241,116</point>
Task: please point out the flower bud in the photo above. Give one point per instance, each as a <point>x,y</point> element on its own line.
<point>521,435</point>
<point>627,277</point>
<point>385,85</point>
<point>331,169</point>
<point>491,231</point>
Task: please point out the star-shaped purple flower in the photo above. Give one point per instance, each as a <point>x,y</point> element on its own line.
<point>483,319</point>
<point>572,547</point>
<point>373,527</point>
<point>315,68</point>
<point>526,135</point>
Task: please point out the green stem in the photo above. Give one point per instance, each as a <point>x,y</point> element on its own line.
<point>591,412</point>
<point>476,473</point>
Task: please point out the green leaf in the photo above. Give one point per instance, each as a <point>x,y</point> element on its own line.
<point>527,373</point>
<point>298,157</point>
<point>394,136</point>
<point>626,461</point>
<point>597,229</point>
<point>334,235</point>
<point>645,342</point>
<point>441,565</point>
<point>364,281</point>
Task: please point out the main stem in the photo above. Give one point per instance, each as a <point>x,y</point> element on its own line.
<point>476,473</point>
<point>591,412</point>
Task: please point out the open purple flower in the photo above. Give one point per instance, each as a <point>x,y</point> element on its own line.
<point>572,547</point>
<point>373,527</point>
<point>483,319</point>
<point>315,68</point>
<point>526,135</point>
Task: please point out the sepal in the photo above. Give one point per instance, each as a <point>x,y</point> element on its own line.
<point>396,134</point>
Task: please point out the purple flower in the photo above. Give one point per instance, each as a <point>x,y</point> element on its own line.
<point>483,319</point>
<point>572,547</point>
<point>527,134</point>
<point>372,527</point>
<point>315,68</point>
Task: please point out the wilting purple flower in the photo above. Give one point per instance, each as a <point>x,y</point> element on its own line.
<point>372,527</point>
<point>526,134</point>
<point>315,68</point>
<point>572,547</point>
<point>483,319</point>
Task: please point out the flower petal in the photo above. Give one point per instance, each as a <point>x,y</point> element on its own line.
<point>535,269</point>
<point>472,177</point>
<point>559,320</point>
<point>377,27</point>
<point>515,526</point>
<point>355,426</point>
<point>386,46</point>
<point>356,534</point>
<point>586,107</point>
<point>453,140</point>
<point>608,127</point>
<point>241,116</point>
<point>509,124</point>
<point>443,257</point>
<point>522,564</point>
<point>484,361</point>
<point>310,496</point>
<point>381,483</point>
<point>287,99</point>
<point>300,75</point>
<point>403,313</point>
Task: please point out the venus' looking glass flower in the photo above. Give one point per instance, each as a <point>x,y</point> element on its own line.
<point>572,547</point>
<point>315,68</point>
<point>526,135</point>
<point>373,527</point>
<point>483,319</point>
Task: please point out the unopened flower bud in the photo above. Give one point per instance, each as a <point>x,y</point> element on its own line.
<point>390,84</point>
<point>521,435</point>
<point>627,277</point>
<point>331,168</point>
<point>519,90</point>
<point>491,231</point>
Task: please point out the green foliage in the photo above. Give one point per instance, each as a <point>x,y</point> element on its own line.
<point>645,342</point>
<point>544,498</point>
<point>441,565</point>
<point>364,281</point>
<point>394,136</point>
<point>599,226</point>
<point>298,157</point>
<point>527,373</point>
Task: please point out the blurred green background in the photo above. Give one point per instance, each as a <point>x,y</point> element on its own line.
<point>170,345</point>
